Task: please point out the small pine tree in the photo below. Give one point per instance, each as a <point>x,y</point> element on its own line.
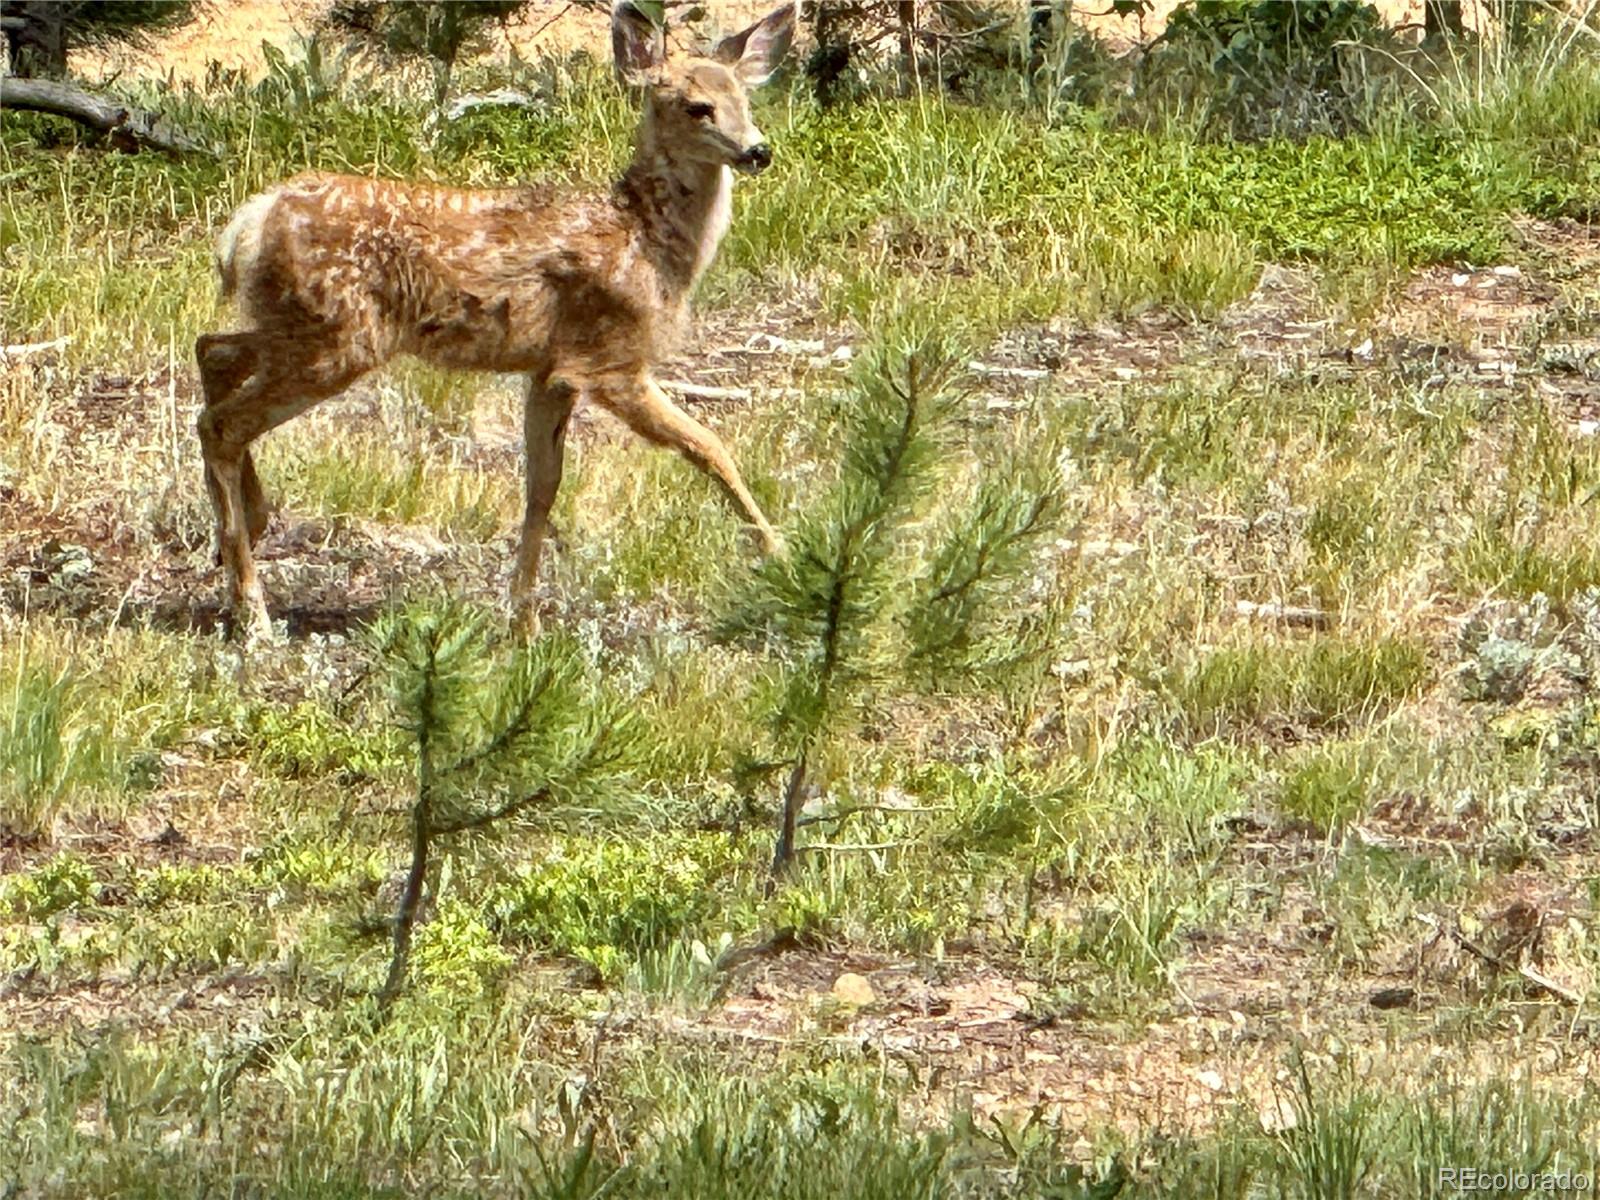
<point>41,33</point>
<point>499,736</point>
<point>966,622</point>
<point>439,31</point>
<point>862,601</point>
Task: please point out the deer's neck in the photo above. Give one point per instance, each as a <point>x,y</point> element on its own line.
<point>683,210</point>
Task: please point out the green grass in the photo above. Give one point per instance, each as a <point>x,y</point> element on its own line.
<point>379,480</point>
<point>81,729</point>
<point>1080,216</point>
<point>829,1131</point>
<point>1323,683</point>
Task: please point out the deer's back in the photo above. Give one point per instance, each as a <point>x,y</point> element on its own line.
<point>497,279</point>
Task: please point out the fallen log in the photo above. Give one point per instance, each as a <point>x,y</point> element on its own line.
<point>128,128</point>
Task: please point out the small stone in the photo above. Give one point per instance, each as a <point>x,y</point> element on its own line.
<point>854,990</point>
<point>1278,1116</point>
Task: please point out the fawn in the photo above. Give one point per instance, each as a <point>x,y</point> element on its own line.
<point>336,275</point>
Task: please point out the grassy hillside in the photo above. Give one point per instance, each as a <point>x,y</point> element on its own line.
<point>1243,844</point>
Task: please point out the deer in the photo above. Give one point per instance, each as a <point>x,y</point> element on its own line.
<point>582,294</point>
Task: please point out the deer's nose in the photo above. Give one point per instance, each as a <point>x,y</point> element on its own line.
<point>757,158</point>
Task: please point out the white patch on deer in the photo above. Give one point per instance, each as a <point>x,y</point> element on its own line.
<point>239,244</point>
<point>718,218</point>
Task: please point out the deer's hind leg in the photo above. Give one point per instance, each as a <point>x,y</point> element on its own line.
<point>227,361</point>
<point>645,408</point>
<point>255,381</point>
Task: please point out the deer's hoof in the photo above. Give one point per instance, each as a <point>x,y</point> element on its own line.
<point>253,624</point>
<point>525,623</point>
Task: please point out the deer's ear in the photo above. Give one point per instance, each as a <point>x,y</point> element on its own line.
<point>638,46</point>
<point>755,53</point>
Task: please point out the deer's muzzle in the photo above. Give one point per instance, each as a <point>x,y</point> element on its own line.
<point>756,159</point>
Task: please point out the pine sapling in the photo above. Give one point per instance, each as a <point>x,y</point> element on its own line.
<point>860,603</point>
<point>499,736</point>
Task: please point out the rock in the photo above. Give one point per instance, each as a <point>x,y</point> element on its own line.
<point>854,990</point>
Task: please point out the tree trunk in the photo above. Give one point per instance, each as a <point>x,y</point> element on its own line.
<point>1040,30</point>
<point>405,916</point>
<point>908,43</point>
<point>794,798</point>
<point>830,57</point>
<point>128,128</point>
<point>36,37</point>
<point>1441,18</point>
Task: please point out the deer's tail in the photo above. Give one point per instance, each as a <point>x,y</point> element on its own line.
<point>239,244</point>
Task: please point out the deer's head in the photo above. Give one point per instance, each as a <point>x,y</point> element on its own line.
<point>698,109</point>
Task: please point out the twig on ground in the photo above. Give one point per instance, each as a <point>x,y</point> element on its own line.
<point>702,391</point>
<point>29,349</point>
<point>887,809</point>
<point>1539,980</point>
<point>849,847</point>
<point>1289,614</point>
<point>983,368</point>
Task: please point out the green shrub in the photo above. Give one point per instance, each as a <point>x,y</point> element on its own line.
<point>309,739</point>
<point>456,955</point>
<point>65,882</point>
<point>606,899</point>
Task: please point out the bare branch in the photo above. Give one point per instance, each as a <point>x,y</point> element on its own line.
<point>701,391</point>
<point>128,128</point>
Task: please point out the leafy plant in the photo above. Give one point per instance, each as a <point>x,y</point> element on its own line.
<point>1278,67</point>
<point>609,900</point>
<point>1505,652</point>
<point>65,882</point>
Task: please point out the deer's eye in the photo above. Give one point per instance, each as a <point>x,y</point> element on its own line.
<point>701,111</point>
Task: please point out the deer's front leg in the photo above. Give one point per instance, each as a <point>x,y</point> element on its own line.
<point>546,410</point>
<point>650,413</point>
<point>226,364</point>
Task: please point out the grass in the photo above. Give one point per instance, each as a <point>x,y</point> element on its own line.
<point>87,729</point>
<point>1115,220</point>
<point>1324,683</point>
<point>376,480</point>
<point>829,1131</point>
<point>1123,885</point>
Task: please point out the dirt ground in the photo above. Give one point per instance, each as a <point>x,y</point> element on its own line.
<point>232,33</point>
